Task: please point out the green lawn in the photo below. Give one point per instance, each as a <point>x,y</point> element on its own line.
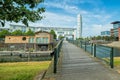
<point>22,70</point>
<point>117,61</point>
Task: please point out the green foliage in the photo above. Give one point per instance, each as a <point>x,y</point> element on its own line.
<point>17,33</point>
<point>3,33</point>
<point>60,37</point>
<point>53,33</point>
<point>30,33</point>
<point>20,10</point>
<point>80,39</point>
<point>106,38</point>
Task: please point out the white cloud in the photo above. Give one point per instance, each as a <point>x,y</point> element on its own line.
<point>61,5</point>
<point>53,19</point>
<point>64,6</point>
<point>96,29</point>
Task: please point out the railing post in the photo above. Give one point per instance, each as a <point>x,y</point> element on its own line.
<point>55,60</point>
<point>58,50</point>
<point>94,50</point>
<point>85,46</point>
<point>112,58</point>
<point>91,48</point>
<point>78,43</point>
<point>81,44</point>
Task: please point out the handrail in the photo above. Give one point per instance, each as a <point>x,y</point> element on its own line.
<point>57,50</point>
<point>94,50</point>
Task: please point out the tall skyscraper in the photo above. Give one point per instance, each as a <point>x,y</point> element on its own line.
<point>79,26</point>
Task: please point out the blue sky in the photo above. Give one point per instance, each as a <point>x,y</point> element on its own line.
<point>97,14</point>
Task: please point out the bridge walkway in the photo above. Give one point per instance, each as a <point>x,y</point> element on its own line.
<point>78,65</point>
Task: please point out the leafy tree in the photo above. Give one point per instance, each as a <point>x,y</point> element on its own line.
<point>98,37</point>
<point>112,38</point>
<point>30,33</point>
<point>61,37</point>
<point>80,39</point>
<point>106,38</point>
<point>3,33</point>
<point>17,33</point>
<point>53,33</point>
<point>20,10</point>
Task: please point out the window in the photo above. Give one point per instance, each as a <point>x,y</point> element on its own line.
<point>42,40</point>
<point>37,40</point>
<point>116,25</point>
<point>31,40</point>
<point>24,38</point>
<point>45,40</point>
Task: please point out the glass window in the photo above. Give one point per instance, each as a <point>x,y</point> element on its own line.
<point>45,40</point>
<point>37,40</point>
<point>116,25</point>
<point>42,40</point>
<point>31,40</point>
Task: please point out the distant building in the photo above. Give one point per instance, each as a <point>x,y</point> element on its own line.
<point>66,32</point>
<point>3,28</point>
<point>40,39</point>
<point>116,30</point>
<point>105,33</point>
<point>79,26</point>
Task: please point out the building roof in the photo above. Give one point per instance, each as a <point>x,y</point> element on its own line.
<point>115,22</point>
<point>41,32</point>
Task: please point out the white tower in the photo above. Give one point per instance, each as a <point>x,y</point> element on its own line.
<point>79,26</point>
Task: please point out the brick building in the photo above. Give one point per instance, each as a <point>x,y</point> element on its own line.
<point>42,39</point>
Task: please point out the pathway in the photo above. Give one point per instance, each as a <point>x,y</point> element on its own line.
<point>77,65</point>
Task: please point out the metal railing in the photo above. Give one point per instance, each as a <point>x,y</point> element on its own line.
<point>57,50</point>
<point>102,52</point>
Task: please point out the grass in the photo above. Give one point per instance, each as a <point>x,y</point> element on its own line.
<point>22,70</point>
<point>116,61</point>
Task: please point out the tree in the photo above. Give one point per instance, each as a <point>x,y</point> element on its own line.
<point>61,37</point>
<point>3,33</point>
<point>53,33</point>
<point>30,33</point>
<point>79,38</point>
<point>17,33</point>
<point>112,38</point>
<point>20,10</point>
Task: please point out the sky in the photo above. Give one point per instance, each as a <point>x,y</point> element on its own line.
<point>96,14</point>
